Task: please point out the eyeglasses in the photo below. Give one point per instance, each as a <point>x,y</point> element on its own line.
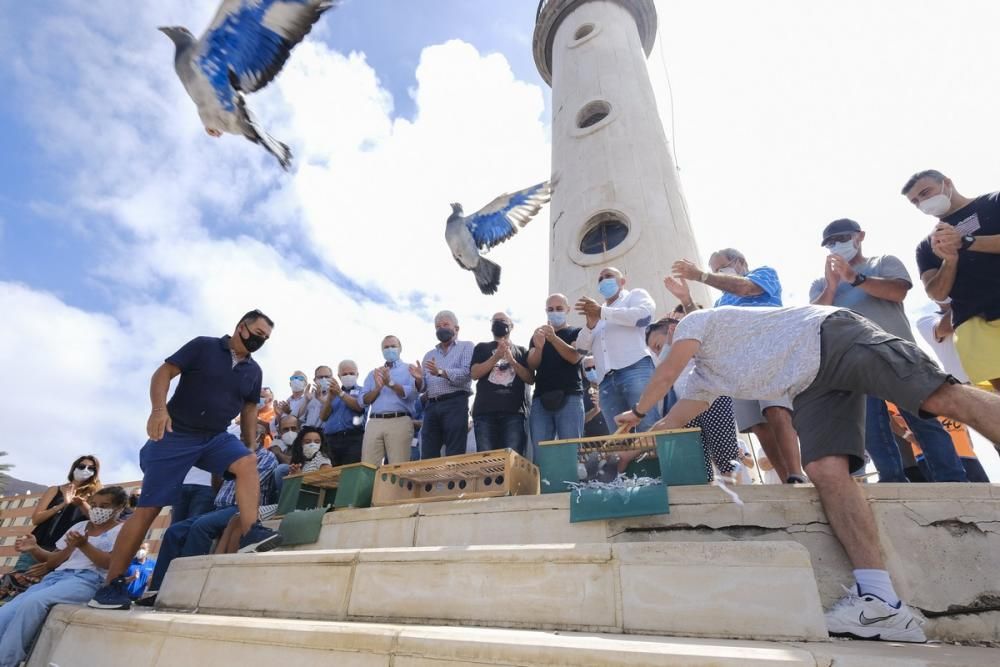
<point>837,238</point>
<point>80,466</point>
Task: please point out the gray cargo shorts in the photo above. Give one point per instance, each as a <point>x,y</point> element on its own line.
<point>858,359</point>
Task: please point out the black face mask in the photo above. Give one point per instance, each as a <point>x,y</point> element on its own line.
<point>253,342</point>
<point>444,335</point>
<point>500,329</point>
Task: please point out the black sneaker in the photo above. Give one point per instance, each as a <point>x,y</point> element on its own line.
<point>796,479</point>
<point>148,599</point>
<point>267,544</point>
<point>112,596</point>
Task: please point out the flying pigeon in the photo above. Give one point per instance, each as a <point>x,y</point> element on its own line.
<point>245,47</point>
<point>489,226</point>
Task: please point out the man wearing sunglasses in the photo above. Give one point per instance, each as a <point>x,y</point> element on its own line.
<point>218,380</point>
<point>875,287</point>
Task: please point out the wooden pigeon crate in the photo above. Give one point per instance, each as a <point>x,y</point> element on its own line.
<point>501,472</point>
<point>676,456</point>
<point>351,485</point>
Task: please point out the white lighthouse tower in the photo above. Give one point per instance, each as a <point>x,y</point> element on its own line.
<point>618,200</point>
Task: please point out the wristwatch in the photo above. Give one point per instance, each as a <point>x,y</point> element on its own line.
<point>635,411</point>
<point>391,384</point>
<point>440,372</point>
<point>967,242</point>
<point>860,278</point>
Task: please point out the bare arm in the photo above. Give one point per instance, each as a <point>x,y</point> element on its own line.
<point>944,327</point>
<point>41,514</point>
<point>99,558</point>
<point>986,244</point>
<point>737,285</point>
<point>484,367</point>
<point>890,289</point>
<point>938,282</point>
<point>248,424</point>
<point>566,351</point>
<point>159,384</point>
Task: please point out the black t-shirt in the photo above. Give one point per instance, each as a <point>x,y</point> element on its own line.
<point>596,427</point>
<point>976,291</point>
<point>553,371</point>
<point>500,390</point>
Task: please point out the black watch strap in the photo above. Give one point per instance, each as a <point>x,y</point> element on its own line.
<point>635,411</point>
<point>860,278</point>
<point>967,241</point>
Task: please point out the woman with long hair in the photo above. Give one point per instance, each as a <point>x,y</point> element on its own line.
<point>308,451</point>
<point>64,505</point>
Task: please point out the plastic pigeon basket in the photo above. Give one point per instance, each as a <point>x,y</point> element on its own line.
<point>621,475</point>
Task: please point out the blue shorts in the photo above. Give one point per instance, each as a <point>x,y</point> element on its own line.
<point>166,462</point>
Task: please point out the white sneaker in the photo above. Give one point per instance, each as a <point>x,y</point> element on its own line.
<point>869,617</point>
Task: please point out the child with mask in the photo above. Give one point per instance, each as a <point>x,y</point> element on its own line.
<point>77,569</point>
<point>307,451</point>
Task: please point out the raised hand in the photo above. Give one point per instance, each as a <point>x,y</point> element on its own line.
<point>431,367</point>
<point>25,543</point>
<point>590,309</point>
<point>75,539</point>
<point>842,268</point>
<point>379,378</point>
<point>679,288</point>
<point>416,371</point>
<point>945,241</point>
<point>685,268</point>
<point>538,338</point>
<point>831,274</point>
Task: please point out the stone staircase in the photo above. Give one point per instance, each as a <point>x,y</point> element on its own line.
<point>509,581</point>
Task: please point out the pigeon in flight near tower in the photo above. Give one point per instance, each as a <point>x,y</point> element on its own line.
<point>245,47</point>
<point>489,226</point>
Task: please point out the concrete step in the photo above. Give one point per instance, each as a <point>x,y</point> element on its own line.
<point>81,637</point>
<point>759,590</point>
<point>921,527</point>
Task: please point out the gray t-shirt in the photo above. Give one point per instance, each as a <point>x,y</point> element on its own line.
<point>753,353</point>
<point>887,314</point>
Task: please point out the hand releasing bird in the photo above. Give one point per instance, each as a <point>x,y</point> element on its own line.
<point>489,226</point>
<point>245,47</point>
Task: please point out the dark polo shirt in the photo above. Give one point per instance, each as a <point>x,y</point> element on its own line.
<point>211,391</point>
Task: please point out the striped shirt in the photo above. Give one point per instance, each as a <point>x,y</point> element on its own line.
<point>456,362</point>
<point>266,463</point>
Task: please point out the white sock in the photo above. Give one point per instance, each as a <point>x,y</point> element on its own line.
<point>877,582</point>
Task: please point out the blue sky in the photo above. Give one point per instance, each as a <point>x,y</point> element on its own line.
<point>125,230</point>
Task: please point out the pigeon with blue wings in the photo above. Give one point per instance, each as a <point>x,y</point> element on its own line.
<point>245,46</point>
<point>489,226</point>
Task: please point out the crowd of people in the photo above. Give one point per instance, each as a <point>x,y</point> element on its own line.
<point>810,382</point>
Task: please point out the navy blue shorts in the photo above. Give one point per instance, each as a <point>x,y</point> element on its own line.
<point>166,462</point>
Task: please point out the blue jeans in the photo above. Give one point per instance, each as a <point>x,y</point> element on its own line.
<point>445,423</point>
<point>279,478</point>
<point>196,499</point>
<point>622,389</point>
<point>939,452</point>
<point>22,617</point>
<point>191,537</point>
<point>500,430</point>
<point>566,423</point>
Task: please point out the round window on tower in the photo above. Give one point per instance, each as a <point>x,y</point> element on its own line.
<point>583,31</point>
<point>592,113</point>
<point>604,232</point>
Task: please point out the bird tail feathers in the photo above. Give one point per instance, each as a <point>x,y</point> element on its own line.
<point>487,276</point>
<point>255,133</point>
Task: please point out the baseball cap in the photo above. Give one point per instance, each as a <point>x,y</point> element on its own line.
<point>842,226</point>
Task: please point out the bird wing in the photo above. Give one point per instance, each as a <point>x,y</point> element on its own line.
<point>248,42</point>
<point>501,218</point>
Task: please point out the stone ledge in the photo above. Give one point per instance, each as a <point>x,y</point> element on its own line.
<point>641,587</point>
<point>77,636</point>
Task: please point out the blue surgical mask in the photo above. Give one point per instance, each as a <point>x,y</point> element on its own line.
<point>590,374</point>
<point>390,354</point>
<point>557,318</point>
<point>608,287</point>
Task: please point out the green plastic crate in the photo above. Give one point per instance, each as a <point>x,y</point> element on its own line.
<point>351,487</point>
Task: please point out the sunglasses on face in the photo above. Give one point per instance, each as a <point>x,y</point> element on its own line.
<point>297,377</point>
<point>81,466</point>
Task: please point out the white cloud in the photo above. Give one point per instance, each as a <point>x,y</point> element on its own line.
<point>201,230</point>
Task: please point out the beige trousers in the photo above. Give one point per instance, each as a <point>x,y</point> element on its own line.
<point>387,438</point>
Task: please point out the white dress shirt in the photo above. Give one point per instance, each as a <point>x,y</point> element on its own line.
<point>945,349</point>
<point>619,338</point>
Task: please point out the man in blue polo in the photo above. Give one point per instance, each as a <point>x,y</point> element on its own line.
<point>771,420</point>
<point>218,380</point>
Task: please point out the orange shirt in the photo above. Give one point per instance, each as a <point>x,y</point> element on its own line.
<point>958,431</point>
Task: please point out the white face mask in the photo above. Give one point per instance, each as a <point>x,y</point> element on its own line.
<point>310,449</point>
<point>101,515</point>
<point>845,249</point>
<point>664,351</point>
<point>289,437</point>
<point>82,475</point>
<point>324,383</point>
<point>937,205</point>
<point>349,381</point>
<point>297,385</point>
<point>140,554</point>
<point>728,271</point>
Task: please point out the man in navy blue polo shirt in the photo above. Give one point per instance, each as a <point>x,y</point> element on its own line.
<point>218,380</point>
